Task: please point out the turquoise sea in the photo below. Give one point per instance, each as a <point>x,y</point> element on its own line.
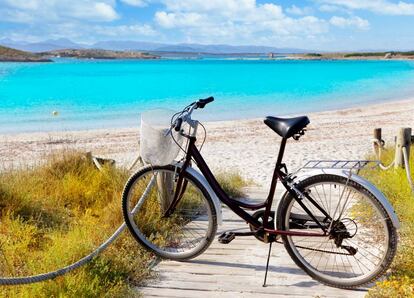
<point>93,94</point>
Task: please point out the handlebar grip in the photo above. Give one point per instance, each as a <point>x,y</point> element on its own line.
<point>201,103</point>
<point>178,124</point>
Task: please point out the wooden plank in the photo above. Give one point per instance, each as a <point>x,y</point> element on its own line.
<point>237,270</point>
<point>157,292</point>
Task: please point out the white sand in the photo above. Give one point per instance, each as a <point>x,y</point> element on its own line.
<point>247,146</point>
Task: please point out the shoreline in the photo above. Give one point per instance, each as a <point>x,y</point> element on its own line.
<point>247,146</point>
<point>334,109</point>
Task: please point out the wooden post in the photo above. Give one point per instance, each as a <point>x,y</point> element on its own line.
<point>378,137</point>
<point>403,140</point>
<point>165,182</point>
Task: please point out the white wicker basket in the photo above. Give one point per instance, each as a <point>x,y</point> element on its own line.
<point>157,148</point>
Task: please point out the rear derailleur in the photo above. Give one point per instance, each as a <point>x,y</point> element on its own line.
<point>339,232</point>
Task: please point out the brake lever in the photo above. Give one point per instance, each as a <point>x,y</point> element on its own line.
<point>168,131</point>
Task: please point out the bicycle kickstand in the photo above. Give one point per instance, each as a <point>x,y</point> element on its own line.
<point>267,264</point>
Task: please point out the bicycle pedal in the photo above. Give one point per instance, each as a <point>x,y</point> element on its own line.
<point>226,237</point>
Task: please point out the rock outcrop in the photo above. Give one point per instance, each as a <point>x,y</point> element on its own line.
<point>12,55</point>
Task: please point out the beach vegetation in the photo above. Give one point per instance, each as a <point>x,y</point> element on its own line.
<point>365,54</point>
<point>393,183</point>
<point>378,54</point>
<point>314,55</point>
<point>54,214</point>
<point>233,183</point>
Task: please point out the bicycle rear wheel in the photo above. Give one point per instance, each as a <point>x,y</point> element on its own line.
<point>184,234</point>
<point>363,240</point>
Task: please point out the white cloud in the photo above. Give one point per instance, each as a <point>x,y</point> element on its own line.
<point>378,6</point>
<point>125,31</point>
<point>177,20</point>
<point>353,21</point>
<point>98,11</point>
<point>332,8</point>
<point>201,21</point>
<point>224,6</point>
<point>24,4</point>
<point>232,21</point>
<point>138,3</point>
<point>80,20</point>
<point>299,10</point>
<point>38,11</point>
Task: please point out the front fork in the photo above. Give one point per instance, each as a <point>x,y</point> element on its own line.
<point>181,185</point>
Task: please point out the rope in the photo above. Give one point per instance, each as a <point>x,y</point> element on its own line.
<point>53,274</point>
<point>407,168</point>
<point>380,145</point>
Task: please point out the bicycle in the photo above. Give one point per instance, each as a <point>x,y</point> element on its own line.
<point>335,225</point>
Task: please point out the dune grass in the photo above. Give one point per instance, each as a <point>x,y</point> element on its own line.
<point>54,214</point>
<point>233,183</point>
<point>57,213</point>
<point>393,183</point>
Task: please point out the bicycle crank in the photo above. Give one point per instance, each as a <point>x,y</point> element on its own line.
<point>259,234</point>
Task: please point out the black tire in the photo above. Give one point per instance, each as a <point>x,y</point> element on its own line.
<point>158,232</point>
<point>300,254</point>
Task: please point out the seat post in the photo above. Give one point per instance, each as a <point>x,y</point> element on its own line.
<point>273,183</point>
<point>281,153</point>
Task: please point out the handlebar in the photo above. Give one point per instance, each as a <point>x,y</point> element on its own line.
<point>200,104</point>
<point>178,124</point>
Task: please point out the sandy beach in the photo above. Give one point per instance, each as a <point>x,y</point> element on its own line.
<point>246,146</point>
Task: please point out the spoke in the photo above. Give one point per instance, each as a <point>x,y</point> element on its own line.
<point>358,261</point>
<point>321,253</point>
<point>143,197</point>
<point>364,248</point>
<point>320,199</point>
<point>326,200</point>
<point>184,230</point>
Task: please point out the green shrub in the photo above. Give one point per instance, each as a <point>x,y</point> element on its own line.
<point>367,54</point>
<point>394,184</point>
<point>314,55</point>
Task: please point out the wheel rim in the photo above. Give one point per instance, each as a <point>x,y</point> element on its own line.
<point>361,216</point>
<point>182,234</point>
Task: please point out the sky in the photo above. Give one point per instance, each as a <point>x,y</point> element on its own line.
<point>308,24</point>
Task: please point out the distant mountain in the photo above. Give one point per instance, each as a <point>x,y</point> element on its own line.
<point>228,49</point>
<point>191,48</point>
<point>127,45</point>
<point>44,46</point>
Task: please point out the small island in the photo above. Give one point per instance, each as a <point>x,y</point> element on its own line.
<point>353,56</point>
<point>98,54</point>
<point>12,55</point>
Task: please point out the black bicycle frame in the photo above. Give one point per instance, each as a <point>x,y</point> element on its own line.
<point>237,206</point>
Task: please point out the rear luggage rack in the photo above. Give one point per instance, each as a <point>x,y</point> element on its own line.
<point>356,165</point>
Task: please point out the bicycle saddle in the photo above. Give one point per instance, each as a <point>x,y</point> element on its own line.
<point>287,127</point>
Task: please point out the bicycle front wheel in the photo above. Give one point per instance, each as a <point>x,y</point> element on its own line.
<point>184,234</point>
<point>362,242</point>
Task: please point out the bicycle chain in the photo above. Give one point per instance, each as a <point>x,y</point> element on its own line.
<point>320,250</point>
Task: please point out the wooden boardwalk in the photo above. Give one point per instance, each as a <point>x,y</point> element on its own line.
<point>237,270</point>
